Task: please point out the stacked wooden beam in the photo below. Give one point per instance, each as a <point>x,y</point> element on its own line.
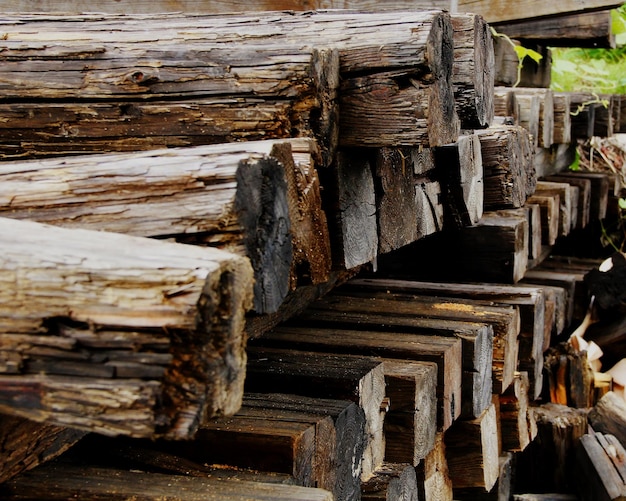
<point>385,387</point>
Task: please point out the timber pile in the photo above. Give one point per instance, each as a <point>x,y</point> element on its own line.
<point>196,279</point>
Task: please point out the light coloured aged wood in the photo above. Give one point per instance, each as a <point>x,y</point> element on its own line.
<point>433,475</point>
<point>600,470</point>
<point>259,199</point>
<point>412,85</point>
<point>500,10</point>
<point>167,315</point>
<point>214,6</point>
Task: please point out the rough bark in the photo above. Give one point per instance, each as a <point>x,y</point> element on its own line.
<point>95,320</point>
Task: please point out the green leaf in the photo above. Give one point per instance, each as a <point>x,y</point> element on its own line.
<point>522,52</point>
<point>622,203</point>
<point>576,163</point>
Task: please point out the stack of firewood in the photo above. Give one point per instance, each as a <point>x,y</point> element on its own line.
<point>309,256</point>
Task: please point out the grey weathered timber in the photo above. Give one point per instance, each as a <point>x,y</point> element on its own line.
<point>545,130</point>
<point>495,11</point>
<point>563,190</point>
<point>473,451</point>
<point>371,309</point>
<point>473,70</point>
<point>550,208</point>
<point>391,481</point>
<point>583,192</point>
<point>327,375</point>
<point>508,173</point>
<point>217,6</point>
<point>586,29</point>
<point>600,471</point>
<point>25,444</point>
<point>243,197</point>
<point>562,118</point>
<point>444,351</point>
<point>120,334</point>
<point>61,482</point>
<point>608,416</point>
<point>402,65</point>
<point>408,201</point>
<point>460,170</point>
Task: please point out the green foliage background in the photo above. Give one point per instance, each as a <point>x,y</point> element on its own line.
<point>593,70</point>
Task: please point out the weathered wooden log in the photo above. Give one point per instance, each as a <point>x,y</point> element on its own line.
<point>582,112</point>
<point>529,300</point>
<point>413,84</point>
<point>210,95</point>
<point>529,9</point>
<point>372,308</point>
<point>58,482</point>
<point>586,29</point>
<point>514,415</point>
<point>408,204</point>
<point>506,62</point>
<point>530,116</point>
<point>505,104</point>
<point>323,375</point>
<point>608,416</point>
<point>562,118</point>
<point>433,476</point>
<point>599,194</point>
<point>25,444</point>
<point>391,481</point>
<point>473,70</point>
<point>545,129</point>
<point>444,351</point>
<point>410,422</point>
<point>533,215</point>
<point>473,451</point>
<point>563,190</point>
<point>550,208</point>
<point>508,174</point>
<point>460,170</point>
<point>95,320</point>
<point>494,250</point>
<point>547,463</point>
<point>600,469</point>
<point>502,489</point>
<point>399,297</point>
<point>254,198</point>
<point>353,222</point>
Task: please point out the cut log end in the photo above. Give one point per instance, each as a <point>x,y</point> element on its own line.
<point>263,212</point>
